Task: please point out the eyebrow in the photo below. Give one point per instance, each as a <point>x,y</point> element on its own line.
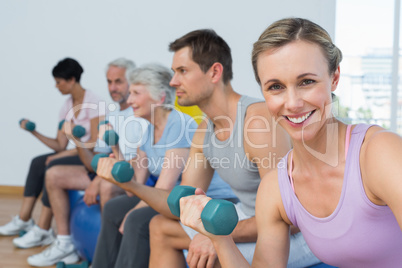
<point>298,77</point>
<point>178,68</point>
<point>306,74</point>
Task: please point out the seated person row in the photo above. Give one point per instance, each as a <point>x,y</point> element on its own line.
<point>59,179</point>
<point>238,132</point>
<point>67,74</point>
<point>123,240</point>
<point>341,184</point>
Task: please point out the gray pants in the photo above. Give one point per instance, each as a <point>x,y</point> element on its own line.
<point>131,249</point>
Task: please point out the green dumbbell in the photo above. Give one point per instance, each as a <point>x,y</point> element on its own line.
<point>95,160</point>
<point>30,126</point>
<point>122,171</point>
<point>111,137</point>
<point>102,123</point>
<point>61,124</point>
<point>219,217</point>
<point>84,264</point>
<point>78,131</point>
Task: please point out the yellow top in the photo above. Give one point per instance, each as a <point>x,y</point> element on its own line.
<point>192,111</point>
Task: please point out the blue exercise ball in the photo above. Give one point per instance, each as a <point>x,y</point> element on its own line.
<point>74,196</point>
<point>85,223</point>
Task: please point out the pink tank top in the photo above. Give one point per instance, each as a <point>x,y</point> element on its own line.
<point>358,233</point>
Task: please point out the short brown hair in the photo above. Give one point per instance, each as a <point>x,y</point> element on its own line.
<point>207,48</point>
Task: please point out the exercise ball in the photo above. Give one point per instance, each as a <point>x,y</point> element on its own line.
<point>85,223</point>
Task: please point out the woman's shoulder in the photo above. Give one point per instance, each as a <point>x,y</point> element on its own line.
<point>179,118</point>
<point>91,97</point>
<point>378,138</point>
<point>380,163</point>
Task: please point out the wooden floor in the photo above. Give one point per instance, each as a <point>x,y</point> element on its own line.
<point>11,257</point>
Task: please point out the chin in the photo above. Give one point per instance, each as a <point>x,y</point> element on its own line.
<point>185,102</point>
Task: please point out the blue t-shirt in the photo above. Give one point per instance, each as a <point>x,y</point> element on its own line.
<point>178,133</point>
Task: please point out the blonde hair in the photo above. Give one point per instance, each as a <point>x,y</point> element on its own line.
<point>285,31</point>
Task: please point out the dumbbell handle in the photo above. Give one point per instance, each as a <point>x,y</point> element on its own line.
<point>95,160</point>
<point>104,122</point>
<point>219,217</point>
<point>78,131</point>
<point>30,126</point>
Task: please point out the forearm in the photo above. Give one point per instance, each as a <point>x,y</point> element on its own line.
<point>66,153</point>
<point>49,142</point>
<point>86,156</point>
<point>154,197</point>
<point>228,253</point>
<point>245,231</point>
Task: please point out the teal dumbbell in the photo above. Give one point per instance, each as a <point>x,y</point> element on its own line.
<point>84,264</point>
<point>61,124</point>
<point>219,217</point>
<point>30,126</point>
<point>111,137</point>
<point>95,160</point>
<point>104,122</point>
<point>122,171</point>
<point>78,131</point>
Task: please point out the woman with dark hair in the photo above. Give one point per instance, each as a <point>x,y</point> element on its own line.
<point>81,108</point>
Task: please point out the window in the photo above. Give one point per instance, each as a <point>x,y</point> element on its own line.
<point>364,33</point>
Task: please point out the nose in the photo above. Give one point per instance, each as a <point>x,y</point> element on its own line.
<point>293,100</point>
<point>130,99</point>
<point>175,81</point>
<point>112,87</point>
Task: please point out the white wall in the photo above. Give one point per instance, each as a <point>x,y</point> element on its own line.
<point>36,34</point>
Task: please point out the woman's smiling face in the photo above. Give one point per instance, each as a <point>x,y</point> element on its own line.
<point>141,101</point>
<point>297,87</point>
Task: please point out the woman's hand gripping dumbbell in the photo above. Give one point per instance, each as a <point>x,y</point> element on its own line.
<point>27,125</point>
<point>72,130</point>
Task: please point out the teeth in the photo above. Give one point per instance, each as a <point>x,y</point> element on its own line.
<point>298,120</point>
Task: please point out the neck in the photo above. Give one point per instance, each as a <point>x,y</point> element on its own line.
<point>123,105</point>
<point>159,117</point>
<point>327,148</point>
<point>78,93</point>
<point>221,113</point>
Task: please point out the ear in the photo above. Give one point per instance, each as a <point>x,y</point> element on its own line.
<point>335,79</point>
<point>216,72</point>
<point>71,80</point>
<point>162,98</point>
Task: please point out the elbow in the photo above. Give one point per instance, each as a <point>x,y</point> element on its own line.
<point>58,150</point>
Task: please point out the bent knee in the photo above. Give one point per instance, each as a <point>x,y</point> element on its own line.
<point>156,227</point>
<point>109,190</point>
<point>51,177</point>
